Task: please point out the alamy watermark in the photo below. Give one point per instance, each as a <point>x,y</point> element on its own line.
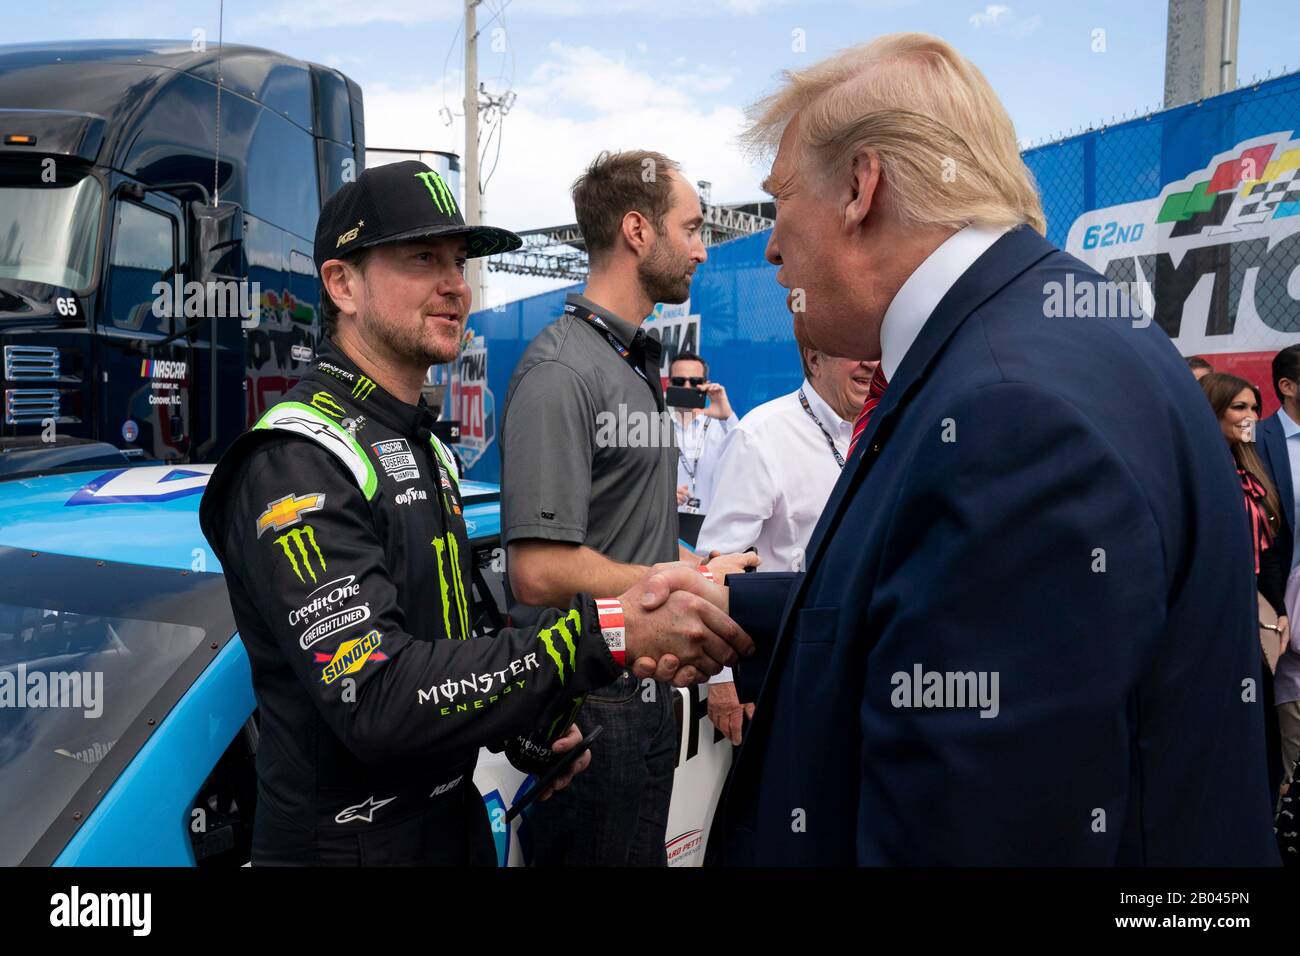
<point>216,298</point>
<point>133,911</point>
<point>946,690</point>
<point>634,429</point>
<point>79,690</point>
<point>1089,299</point>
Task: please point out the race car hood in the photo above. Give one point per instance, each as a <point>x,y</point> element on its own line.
<point>146,514</point>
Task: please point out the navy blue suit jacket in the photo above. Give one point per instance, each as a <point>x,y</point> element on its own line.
<point>1049,501</point>
<point>1271,444</point>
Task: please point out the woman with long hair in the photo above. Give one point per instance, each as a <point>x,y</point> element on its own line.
<point>1236,404</point>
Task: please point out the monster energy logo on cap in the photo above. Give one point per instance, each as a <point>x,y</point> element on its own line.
<point>301,537</point>
<point>438,190</point>
<point>361,391</point>
<point>387,203</point>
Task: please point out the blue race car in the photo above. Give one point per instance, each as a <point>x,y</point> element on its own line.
<point>127,717</point>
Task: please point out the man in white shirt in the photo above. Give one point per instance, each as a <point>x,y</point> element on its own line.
<point>779,465</point>
<point>700,433</point>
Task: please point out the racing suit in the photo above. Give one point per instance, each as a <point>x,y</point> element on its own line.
<point>338,523</point>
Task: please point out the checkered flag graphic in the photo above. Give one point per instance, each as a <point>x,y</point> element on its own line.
<point>1264,199</point>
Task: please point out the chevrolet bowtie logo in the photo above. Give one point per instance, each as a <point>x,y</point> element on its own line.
<point>287,511</point>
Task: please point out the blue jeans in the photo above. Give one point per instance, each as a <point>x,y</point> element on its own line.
<point>615,813</point>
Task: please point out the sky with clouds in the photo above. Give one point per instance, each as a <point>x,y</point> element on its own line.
<point>673,75</point>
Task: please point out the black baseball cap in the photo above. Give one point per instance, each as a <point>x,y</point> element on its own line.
<point>398,201</point>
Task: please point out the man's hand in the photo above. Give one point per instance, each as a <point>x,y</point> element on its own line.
<point>677,628</point>
<point>723,564</point>
<point>718,407</point>
<point>564,745</point>
<point>682,494</point>
<point>718,563</point>
<point>726,711</point>
<point>1283,633</point>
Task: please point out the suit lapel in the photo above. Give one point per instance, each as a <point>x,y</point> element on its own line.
<point>1018,250</point>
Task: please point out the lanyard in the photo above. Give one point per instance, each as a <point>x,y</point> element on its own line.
<point>803,400</point>
<point>693,465</point>
<point>597,323</point>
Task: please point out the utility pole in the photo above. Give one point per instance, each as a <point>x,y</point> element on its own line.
<point>473,207</point>
<point>1200,49</point>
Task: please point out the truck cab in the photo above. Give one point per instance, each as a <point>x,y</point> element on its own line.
<point>158,202</point>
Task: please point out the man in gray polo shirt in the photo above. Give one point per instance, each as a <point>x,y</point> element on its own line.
<point>589,473</point>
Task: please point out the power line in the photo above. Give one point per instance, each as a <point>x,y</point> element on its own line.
<point>442,80</point>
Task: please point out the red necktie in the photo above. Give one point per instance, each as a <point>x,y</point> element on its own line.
<point>874,393</point>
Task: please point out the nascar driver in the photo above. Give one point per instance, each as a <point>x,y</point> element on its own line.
<point>338,522</point>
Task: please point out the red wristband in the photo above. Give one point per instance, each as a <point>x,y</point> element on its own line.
<point>704,570</point>
<point>609,612</point>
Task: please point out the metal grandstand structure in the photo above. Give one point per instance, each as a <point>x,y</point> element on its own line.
<point>558,252</point>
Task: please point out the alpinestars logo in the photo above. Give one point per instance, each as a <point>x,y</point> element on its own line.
<point>439,192</point>
<point>364,811</point>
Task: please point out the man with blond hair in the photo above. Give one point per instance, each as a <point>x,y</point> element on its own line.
<point>1025,631</point>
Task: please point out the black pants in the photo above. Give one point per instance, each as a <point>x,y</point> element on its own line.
<point>616,812</point>
<point>448,832</point>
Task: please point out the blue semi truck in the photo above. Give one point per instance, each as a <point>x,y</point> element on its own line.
<point>158,202</point>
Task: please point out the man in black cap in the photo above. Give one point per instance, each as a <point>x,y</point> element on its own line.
<point>338,522</point>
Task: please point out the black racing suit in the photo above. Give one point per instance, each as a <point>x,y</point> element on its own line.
<point>337,520</point>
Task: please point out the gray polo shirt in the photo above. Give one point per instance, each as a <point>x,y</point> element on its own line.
<point>586,455</point>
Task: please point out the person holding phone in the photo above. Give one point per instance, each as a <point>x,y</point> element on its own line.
<point>701,430</point>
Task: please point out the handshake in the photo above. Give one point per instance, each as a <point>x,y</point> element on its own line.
<point>676,622</point>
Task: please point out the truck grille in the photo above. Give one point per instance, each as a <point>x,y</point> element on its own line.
<point>30,406</point>
<point>31,363</point>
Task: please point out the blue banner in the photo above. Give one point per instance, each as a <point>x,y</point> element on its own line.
<point>1195,211</point>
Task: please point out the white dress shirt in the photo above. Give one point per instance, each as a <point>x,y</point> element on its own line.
<point>925,287</point>
<point>1291,432</point>
<point>776,472</point>
<point>699,448</point>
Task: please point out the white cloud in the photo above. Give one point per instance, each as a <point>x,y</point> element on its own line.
<point>314,14</point>
<point>999,16</point>
<point>577,103</point>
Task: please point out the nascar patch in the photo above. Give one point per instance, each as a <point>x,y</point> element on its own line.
<point>395,458</point>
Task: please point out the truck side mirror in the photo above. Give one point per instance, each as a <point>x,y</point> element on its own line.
<point>218,242</point>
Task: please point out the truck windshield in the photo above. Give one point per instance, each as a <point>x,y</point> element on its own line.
<point>48,231</point>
